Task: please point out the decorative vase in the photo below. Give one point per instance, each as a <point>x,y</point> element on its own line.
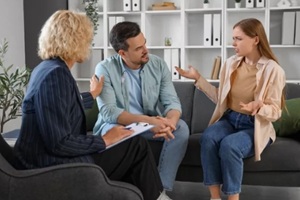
<point>238,5</point>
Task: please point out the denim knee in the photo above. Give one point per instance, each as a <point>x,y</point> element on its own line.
<point>182,131</point>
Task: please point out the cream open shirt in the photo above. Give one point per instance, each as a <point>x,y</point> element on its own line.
<point>270,81</point>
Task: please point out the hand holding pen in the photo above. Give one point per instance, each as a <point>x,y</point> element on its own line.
<point>116,133</point>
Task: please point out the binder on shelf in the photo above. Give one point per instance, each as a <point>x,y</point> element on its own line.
<point>249,3</point>
<point>167,58</point>
<point>207,29</point>
<point>260,3</point>
<point>136,5</point>
<point>127,5</point>
<point>297,31</point>
<point>288,28</point>
<point>174,62</point>
<point>216,29</point>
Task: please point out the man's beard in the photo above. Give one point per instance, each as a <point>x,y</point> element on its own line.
<point>144,62</point>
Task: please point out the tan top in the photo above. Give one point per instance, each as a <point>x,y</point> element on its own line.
<point>244,79</point>
<point>270,81</point>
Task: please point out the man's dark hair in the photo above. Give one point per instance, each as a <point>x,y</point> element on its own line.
<point>121,32</point>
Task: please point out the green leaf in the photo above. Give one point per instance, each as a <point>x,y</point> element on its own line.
<point>12,84</point>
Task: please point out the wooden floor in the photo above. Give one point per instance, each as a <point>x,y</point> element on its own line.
<point>197,191</point>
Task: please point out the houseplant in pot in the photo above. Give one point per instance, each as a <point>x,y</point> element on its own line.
<point>206,4</point>
<point>237,3</point>
<point>12,86</point>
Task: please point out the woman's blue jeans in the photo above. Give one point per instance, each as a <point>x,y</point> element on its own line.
<point>224,145</point>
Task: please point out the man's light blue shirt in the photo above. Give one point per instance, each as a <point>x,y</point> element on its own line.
<point>156,87</point>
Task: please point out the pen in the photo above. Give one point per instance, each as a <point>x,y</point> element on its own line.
<point>144,124</point>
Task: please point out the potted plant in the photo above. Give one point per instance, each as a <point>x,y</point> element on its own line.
<point>206,4</point>
<point>13,83</point>
<point>237,3</point>
<point>91,10</point>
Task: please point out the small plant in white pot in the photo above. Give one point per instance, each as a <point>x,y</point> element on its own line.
<point>206,4</point>
<point>237,3</point>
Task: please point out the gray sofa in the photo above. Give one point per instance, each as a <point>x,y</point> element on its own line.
<point>280,164</point>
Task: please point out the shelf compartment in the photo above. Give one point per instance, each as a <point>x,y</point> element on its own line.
<point>157,28</point>
<point>202,60</point>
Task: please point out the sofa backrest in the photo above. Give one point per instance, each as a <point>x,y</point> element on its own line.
<point>197,109</point>
<point>185,92</point>
<point>292,91</point>
<point>196,112</point>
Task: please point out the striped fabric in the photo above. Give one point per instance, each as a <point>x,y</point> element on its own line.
<point>53,129</point>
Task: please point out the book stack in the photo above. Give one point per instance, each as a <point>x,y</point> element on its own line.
<point>216,68</point>
<point>164,6</point>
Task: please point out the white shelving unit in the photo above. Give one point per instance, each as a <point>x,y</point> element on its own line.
<point>185,26</point>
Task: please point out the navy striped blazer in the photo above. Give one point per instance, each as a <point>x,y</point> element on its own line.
<point>53,129</point>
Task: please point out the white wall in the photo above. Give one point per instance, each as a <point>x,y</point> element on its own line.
<point>12,28</point>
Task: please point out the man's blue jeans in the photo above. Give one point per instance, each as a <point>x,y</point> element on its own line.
<point>224,145</point>
<point>171,154</point>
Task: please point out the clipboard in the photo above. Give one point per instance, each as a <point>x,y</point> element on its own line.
<point>137,127</point>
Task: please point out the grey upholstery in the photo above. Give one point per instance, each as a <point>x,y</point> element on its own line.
<point>77,181</point>
<point>280,164</point>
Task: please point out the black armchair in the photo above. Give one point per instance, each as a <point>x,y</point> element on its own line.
<point>62,182</point>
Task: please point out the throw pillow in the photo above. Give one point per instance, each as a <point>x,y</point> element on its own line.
<point>289,123</point>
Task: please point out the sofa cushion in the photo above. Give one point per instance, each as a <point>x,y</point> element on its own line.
<point>292,90</point>
<point>289,123</point>
<point>282,155</point>
<point>273,158</point>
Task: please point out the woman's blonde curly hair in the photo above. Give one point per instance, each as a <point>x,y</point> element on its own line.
<point>67,35</point>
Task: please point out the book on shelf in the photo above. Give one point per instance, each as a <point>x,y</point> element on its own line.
<point>164,6</point>
<point>213,68</point>
<point>216,68</point>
